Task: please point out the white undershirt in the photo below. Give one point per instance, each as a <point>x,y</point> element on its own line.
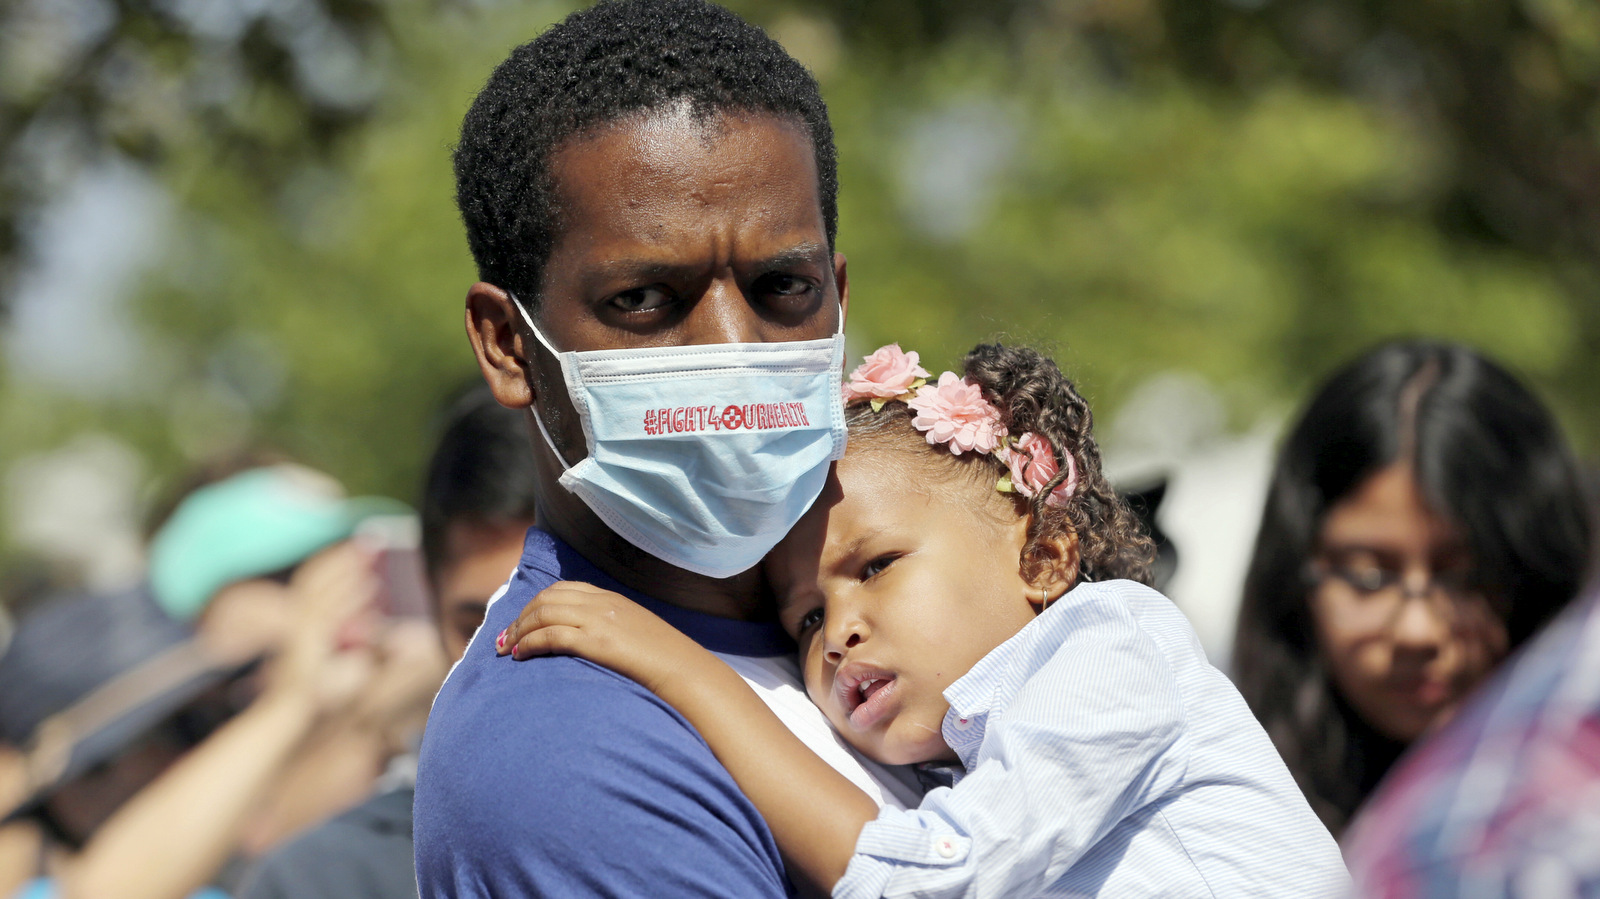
<point>776,679</point>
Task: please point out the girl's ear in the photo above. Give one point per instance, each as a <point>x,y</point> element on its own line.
<point>1055,561</point>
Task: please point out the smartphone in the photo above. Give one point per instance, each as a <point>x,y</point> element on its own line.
<point>396,541</point>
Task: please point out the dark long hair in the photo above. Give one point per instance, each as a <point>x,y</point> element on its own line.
<point>1486,454</point>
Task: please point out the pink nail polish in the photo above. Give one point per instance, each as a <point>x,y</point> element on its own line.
<point>500,640</point>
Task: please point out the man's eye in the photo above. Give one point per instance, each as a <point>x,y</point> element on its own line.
<point>642,299</point>
<point>810,619</point>
<point>784,285</point>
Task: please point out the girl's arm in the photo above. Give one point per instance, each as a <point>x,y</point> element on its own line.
<point>813,811</point>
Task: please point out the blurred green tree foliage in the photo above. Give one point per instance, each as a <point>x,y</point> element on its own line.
<point>1251,191</point>
<point>267,84</point>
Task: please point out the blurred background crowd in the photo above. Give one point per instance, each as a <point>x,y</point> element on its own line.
<point>216,637</point>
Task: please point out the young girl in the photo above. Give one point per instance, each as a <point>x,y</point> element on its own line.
<point>967,595</point>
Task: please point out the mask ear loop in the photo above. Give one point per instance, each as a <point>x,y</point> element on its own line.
<point>537,418</point>
<point>538,335</point>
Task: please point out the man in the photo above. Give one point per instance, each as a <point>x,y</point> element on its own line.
<point>649,193</point>
<point>477,503</point>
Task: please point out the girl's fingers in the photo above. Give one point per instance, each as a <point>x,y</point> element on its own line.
<point>571,605</point>
<point>555,639</point>
<point>542,613</point>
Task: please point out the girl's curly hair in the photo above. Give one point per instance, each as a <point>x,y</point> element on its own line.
<point>1032,394</point>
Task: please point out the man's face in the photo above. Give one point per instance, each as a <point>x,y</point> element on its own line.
<point>672,231</point>
<point>681,231</point>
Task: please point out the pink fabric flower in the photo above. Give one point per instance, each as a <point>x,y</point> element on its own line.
<point>887,373</point>
<point>1033,463</point>
<point>955,412</point>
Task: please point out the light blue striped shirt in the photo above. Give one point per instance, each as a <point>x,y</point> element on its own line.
<point>1104,756</point>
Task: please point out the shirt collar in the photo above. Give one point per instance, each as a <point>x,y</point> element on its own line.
<point>975,693</point>
<point>550,556</point>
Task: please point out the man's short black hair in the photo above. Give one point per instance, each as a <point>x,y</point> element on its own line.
<point>482,472</point>
<point>601,64</point>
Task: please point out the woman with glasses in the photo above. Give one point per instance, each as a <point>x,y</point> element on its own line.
<point>1424,519</point>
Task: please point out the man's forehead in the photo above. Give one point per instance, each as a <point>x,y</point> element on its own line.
<point>676,157</point>
<point>648,258</point>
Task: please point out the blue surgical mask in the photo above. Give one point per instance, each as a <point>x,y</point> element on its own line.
<point>704,456</point>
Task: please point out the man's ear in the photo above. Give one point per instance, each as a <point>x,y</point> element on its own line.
<point>493,328</point>
<point>842,281</point>
<point>1054,560</point>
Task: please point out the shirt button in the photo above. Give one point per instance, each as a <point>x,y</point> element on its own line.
<point>946,847</point>
<point>963,723</point>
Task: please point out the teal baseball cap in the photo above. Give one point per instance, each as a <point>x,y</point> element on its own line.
<point>253,524</point>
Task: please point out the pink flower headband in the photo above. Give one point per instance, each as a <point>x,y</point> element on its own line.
<point>953,412</point>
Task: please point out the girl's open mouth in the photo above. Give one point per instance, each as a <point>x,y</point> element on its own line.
<point>867,693</point>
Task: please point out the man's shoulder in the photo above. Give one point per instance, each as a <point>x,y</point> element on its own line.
<point>535,776</point>
<point>549,709</point>
<point>498,723</point>
<point>543,697</point>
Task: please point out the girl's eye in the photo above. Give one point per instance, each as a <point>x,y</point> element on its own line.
<point>643,299</point>
<point>871,569</point>
<point>810,619</point>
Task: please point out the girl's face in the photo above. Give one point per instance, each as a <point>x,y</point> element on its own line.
<point>897,582</point>
<point>1404,633</point>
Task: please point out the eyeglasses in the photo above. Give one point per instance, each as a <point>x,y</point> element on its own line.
<point>1372,596</point>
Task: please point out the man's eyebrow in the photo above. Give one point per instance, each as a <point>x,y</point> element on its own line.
<point>799,254</point>
<point>647,268</point>
<point>650,267</point>
<point>638,268</point>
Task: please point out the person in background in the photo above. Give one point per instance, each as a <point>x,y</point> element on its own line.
<point>222,561</point>
<point>19,842</point>
<point>477,504</point>
<point>1505,800</point>
<point>132,787</point>
<point>221,558</point>
<point>1424,520</point>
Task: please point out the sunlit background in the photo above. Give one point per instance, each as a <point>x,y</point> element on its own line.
<point>227,226</point>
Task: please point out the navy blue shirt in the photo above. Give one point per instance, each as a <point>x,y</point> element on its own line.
<point>557,777</point>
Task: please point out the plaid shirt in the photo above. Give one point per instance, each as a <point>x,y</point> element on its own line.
<point>1505,801</point>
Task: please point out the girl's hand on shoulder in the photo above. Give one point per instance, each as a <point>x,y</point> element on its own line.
<point>578,619</point>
